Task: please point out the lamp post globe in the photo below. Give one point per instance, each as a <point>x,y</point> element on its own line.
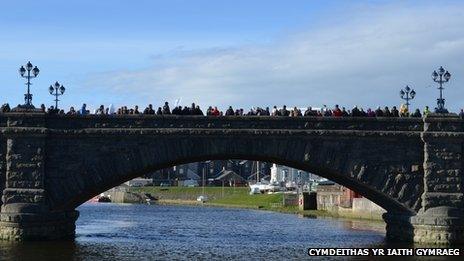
<point>441,76</point>
<point>407,94</point>
<point>28,72</point>
<point>56,90</point>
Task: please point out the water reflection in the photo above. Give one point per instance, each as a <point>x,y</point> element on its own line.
<point>55,250</point>
<point>128,232</point>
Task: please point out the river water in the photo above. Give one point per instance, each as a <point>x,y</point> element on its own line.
<point>154,232</point>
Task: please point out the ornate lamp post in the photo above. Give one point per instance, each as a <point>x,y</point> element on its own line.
<point>407,94</point>
<point>53,89</point>
<point>35,72</point>
<point>441,76</point>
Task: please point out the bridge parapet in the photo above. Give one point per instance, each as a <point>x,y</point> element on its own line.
<point>443,124</point>
<point>209,122</point>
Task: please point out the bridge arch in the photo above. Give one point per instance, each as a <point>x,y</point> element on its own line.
<point>386,175</point>
<point>378,197</point>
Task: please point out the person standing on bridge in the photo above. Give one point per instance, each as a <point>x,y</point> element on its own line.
<point>426,111</point>
<point>5,108</point>
<point>284,111</point>
<point>149,110</point>
<point>370,113</point>
<point>100,110</point>
<point>355,112</point>
<point>209,111</point>
<point>386,112</point>
<point>404,111</point>
<point>185,111</point>
<point>230,111</point>
<point>308,112</point>
<point>416,114</point>
<point>177,110</point>
<point>136,109</point>
<point>266,112</point>
<point>83,110</point>
<point>275,111</point>
<point>125,110</point>
<point>71,111</point>
<point>394,112</point>
<point>198,111</point>
<point>166,109</point>
<point>344,112</point>
<point>192,109</point>
<point>215,112</point>
<point>379,112</point>
<point>336,111</point>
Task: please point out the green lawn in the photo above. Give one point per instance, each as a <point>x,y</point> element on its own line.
<point>238,196</point>
<point>191,193</point>
<point>227,197</point>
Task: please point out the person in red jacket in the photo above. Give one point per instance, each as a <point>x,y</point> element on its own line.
<point>337,112</point>
<point>215,112</point>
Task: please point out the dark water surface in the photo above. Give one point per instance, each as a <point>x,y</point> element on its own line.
<point>143,232</point>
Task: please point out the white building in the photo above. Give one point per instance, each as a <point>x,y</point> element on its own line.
<point>286,174</point>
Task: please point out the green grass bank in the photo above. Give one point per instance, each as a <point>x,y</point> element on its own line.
<point>237,197</point>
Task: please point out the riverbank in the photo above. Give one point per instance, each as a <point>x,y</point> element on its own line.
<point>239,197</point>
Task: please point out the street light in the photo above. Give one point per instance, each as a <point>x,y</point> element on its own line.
<point>407,94</point>
<point>441,77</point>
<point>35,72</point>
<point>53,89</point>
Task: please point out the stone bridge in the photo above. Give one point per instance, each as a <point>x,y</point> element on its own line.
<point>412,167</point>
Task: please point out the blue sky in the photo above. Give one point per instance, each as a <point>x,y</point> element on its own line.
<point>242,53</point>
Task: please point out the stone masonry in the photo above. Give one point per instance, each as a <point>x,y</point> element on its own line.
<point>50,164</point>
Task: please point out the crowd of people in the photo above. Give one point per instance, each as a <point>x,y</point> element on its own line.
<point>214,111</point>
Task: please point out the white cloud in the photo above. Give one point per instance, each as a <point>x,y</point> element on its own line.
<point>365,60</point>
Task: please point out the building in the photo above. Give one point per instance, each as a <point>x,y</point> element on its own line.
<point>229,178</point>
<point>209,170</point>
<point>174,174</point>
<point>331,194</point>
<point>284,174</point>
<point>336,198</point>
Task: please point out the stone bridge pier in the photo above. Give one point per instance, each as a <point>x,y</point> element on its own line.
<point>51,164</point>
<point>440,220</point>
<point>25,213</point>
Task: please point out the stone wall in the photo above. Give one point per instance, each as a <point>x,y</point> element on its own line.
<point>2,167</point>
<point>55,163</point>
<point>366,207</point>
<point>443,163</point>
<point>441,217</point>
<point>125,197</point>
<point>3,124</point>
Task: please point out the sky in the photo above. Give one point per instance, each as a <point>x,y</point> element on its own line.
<point>240,53</point>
